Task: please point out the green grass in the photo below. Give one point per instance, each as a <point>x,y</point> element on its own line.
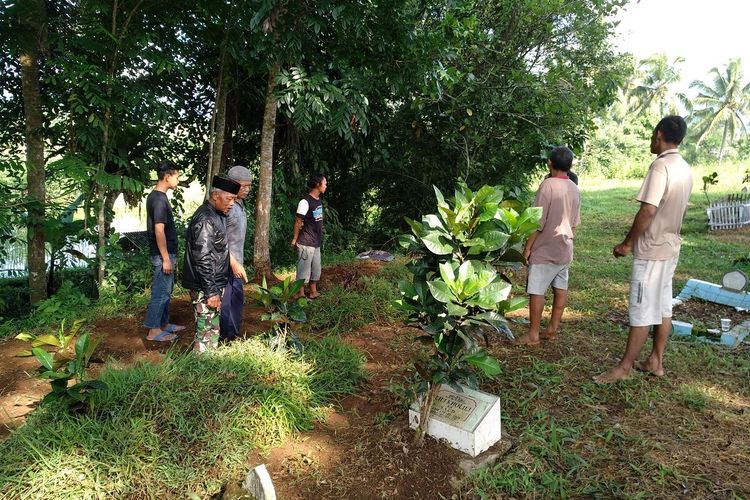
<point>184,425</point>
<point>607,210</point>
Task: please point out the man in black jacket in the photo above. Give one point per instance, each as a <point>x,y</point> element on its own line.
<point>206,269</point>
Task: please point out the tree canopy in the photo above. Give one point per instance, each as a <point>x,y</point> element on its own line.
<point>386,98</point>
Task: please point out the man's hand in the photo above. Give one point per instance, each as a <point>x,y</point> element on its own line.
<point>238,271</point>
<point>526,253</point>
<point>622,250</point>
<point>294,243</point>
<point>166,265</point>
<point>214,301</point>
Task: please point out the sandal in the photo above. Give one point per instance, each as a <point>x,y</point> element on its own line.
<point>163,336</point>
<point>172,328</point>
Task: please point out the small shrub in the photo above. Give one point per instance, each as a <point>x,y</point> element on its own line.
<point>282,309</point>
<point>67,303</point>
<point>67,363</point>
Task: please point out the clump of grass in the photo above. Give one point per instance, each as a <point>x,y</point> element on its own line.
<point>341,310</point>
<point>181,426</point>
<point>692,398</point>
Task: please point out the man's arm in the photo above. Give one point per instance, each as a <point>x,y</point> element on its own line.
<point>298,223</point>
<point>232,225</point>
<point>642,221</point>
<point>529,244</point>
<point>237,270</point>
<point>161,244</point>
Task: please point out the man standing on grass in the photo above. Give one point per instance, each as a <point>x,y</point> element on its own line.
<point>207,261</point>
<point>308,234</point>
<point>549,250</point>
<point>162,242</point>
<point>654,239</point>
<point>234,293</point>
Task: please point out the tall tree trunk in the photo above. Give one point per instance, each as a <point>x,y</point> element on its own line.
<point>101,188</point>
<point>227,155</point>
<point>32,26</point>
<point>261,252</point>
<point>221,127</point>
<point>218,124</point>
<point>101,229</point>
<point>723,141</point>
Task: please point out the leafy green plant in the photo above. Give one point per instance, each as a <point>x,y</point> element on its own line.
<point>456,295</point>
<point>709,180</point>
<point>67,300</point>
<point>66,363</point>
<point>283,309</point>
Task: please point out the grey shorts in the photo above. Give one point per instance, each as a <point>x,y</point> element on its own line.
<point>541,276</point>
<point>651,291</point>
<point>308,265</point>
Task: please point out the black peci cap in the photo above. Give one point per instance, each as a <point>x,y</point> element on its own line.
<point>225,184</point>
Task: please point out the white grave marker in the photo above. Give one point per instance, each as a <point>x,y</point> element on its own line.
<point>468,420</point>
<point>258,483</point>
<point>735,281</point>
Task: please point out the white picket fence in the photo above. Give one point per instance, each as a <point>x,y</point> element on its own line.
<point>731,212</point>
<point>15,263</point>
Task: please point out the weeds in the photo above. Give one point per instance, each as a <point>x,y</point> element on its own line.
<point>340,310</point>
<point>692,398</point>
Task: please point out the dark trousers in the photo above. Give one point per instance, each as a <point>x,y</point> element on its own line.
<point>231,308</point>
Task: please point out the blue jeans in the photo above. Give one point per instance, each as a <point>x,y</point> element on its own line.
<point>157,313</point>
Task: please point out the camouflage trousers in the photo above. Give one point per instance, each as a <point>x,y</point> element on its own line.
<point>206,323</point>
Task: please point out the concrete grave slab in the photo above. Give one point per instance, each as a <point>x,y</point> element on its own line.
<point>736,335</point>
<point>714,293</point>
<point>468,420</point>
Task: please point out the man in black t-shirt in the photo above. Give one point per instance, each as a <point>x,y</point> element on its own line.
<point>308,234</point>
<point>162,241</point>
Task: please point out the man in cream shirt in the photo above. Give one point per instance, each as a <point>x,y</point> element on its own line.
<point>654,239</point>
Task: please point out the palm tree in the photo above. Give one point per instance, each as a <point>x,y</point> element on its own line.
<point>653,92</point>
<point>722,104</point>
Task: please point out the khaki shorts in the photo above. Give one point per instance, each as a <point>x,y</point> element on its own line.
<point>651,291</point>
<point>308,265</point>
<point>541,276</point>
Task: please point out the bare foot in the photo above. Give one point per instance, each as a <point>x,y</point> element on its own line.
<point>612,375</point>
<point>650,366</point>
<point>527,340</point>
<point>313,296</point>
<point>545,335</point>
